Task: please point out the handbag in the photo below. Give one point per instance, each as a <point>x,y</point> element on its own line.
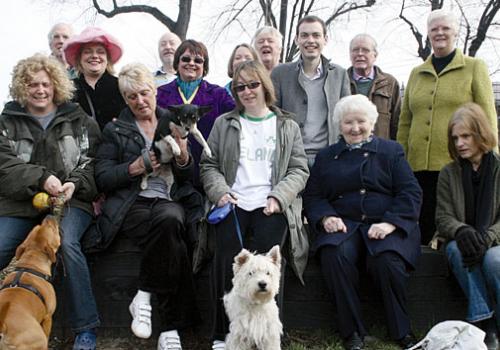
<point>217,214</point>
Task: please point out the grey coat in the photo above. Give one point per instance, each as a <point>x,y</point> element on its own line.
<point>291,95</point>
<point>289,175</point>
<point>450,209</point>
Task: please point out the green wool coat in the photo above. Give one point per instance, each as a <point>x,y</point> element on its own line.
<point>429,102</point>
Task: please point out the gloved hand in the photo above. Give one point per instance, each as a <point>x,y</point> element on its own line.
<point>471,244</point>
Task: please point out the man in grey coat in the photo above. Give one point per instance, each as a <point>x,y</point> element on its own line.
<point>311,86</point>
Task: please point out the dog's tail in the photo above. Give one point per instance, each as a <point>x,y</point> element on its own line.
<point>4,309</point>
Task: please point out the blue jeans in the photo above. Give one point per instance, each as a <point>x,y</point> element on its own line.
<point>481,284</point>
<point>82,306</point>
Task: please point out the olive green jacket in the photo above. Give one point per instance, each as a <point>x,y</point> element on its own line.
<point>289,174</point>
<point>431,99</point>
<point>450,209</point>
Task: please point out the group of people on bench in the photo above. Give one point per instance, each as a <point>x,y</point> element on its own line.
<point>289,142</point>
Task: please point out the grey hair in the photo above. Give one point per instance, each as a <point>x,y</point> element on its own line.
<point>365,36</point>
<point>448,16</point>
<point>268,29</point>
<point>355,103</point>
<point>52,30</point>
<point>133,77</point>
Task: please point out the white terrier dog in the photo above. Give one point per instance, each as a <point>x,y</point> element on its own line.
<point>250,306</point>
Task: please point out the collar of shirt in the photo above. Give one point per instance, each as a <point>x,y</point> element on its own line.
<point>358,77</point>
<point>160,72</point>
<point>317,75</point>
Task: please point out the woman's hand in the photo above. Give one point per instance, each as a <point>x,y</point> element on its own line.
<point>272,206</point>
<point>228,197</point>
<point>68,188</point>
<point>333,224</point>
<point>380,230</point>
<point>183,158</point>
<point>53,186</point>
<point>137,167</point>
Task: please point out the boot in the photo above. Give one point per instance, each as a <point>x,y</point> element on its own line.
<point>490,328</point>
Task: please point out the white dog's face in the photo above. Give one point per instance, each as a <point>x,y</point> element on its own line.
<point>257,277</point>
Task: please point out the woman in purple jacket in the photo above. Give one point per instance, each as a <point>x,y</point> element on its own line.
<point>364,201</point>
<point>191,64</point>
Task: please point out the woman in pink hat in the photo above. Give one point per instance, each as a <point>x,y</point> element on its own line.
<point>93,53</point>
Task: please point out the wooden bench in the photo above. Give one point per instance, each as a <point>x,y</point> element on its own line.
<point>433,295</point>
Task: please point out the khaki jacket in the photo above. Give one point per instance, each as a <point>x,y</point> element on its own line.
<point>289,175</point>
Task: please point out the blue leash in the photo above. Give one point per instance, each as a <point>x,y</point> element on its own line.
<point>237,223</point>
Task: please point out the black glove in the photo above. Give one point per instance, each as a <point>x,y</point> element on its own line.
<point>471,244</point>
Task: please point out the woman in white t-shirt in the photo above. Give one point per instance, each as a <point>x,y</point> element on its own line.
<point>260,166</point>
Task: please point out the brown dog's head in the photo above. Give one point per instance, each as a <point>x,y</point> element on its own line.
<point>44,237</point>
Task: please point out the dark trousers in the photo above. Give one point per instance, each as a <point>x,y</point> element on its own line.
<point>157,225</point>
<point>260,233</point>
<point>389,273</point>
<point>427,221</point>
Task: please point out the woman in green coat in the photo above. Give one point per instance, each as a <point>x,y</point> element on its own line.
<point>436,88</point>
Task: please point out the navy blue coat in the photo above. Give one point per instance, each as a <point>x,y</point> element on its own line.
<point>365,186</point>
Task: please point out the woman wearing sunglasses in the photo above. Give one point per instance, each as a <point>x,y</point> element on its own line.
<point>191,64</point>
<point>259,165</point>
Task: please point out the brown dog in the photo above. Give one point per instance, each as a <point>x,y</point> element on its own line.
<point>29,300</point>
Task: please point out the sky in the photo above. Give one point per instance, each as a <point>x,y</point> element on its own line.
<point>25,24</point>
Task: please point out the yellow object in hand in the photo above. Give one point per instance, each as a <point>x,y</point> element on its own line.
<point>41,201</point>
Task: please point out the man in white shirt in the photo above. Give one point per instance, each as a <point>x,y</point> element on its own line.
<point>168,43</point>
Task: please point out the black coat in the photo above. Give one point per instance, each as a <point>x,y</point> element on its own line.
<point>364,186</point>
<point>107,101</point>
<point>122,144</point>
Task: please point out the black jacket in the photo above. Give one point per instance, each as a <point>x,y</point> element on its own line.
<point>29,155</point>
<point>107,102</point>
<point>122,144</point>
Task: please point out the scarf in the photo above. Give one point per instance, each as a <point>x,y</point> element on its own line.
<point>188,87</point>
<point>478,192</point>
<point>358,145</point>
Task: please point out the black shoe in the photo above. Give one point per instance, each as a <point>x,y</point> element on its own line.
<point>491,337</point>
<point>491,340</point>
<point>407,341</point>
<point>354,342</point>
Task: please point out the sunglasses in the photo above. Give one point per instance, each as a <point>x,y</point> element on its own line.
<point>188,59</point>
<point>252,86</point>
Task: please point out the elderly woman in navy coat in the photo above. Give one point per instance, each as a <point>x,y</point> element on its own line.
<point>364,201</point>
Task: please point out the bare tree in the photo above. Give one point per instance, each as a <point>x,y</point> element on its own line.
<point>179,27</point>
<point>472,38</point>
<point>289,12</point>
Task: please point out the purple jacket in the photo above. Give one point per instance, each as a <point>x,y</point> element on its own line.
<point>207,95</point>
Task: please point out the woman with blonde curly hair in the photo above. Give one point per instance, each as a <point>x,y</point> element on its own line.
<point>47,144</point>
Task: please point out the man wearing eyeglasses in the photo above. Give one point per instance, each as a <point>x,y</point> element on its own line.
<point>311,86</point>
<point>381,88</point>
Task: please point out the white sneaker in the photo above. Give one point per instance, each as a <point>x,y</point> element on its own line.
<point>141,319</point>
<point>169,341</point>
<point>218,345</point>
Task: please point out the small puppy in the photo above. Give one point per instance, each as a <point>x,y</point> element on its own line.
<point>251,306</point>
<point>184,118</point>
<point>28,301</point>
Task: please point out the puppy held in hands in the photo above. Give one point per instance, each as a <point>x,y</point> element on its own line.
<point>183,119</point>
<point>251,305</point>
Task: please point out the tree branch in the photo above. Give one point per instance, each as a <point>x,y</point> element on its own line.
<point>423,51</point>
<point>484,23</point>
<point>346,7</point>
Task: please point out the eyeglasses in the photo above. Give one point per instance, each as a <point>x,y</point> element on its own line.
<point>252,86</point>
<point>188,59</point>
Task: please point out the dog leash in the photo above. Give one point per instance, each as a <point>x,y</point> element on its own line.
<point>237,224</point>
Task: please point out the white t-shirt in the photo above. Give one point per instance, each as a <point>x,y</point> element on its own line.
<point>257,153</point>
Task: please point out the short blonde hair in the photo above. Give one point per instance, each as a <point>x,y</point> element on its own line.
<point>110,68</point>
<point>448,16</point>
<point>473,118</point>
<point>133,77</point>
<point>355,103</point>
<point>256,70</point>
<point>25,70</point>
